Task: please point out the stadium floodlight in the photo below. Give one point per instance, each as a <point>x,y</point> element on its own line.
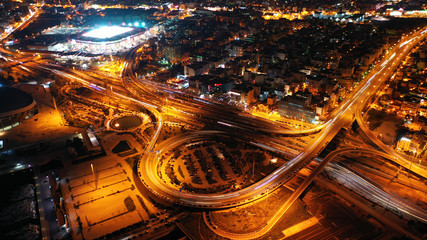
<point>106,32</point>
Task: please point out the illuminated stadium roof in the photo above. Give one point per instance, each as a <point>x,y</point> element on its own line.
<point>106,32</point>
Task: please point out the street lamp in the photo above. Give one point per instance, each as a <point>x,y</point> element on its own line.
<point>93,173</point>
<point>273,161</point>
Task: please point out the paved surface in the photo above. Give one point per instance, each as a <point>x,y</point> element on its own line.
<point>48,218</point>
<point>40,128</point>
<point>98,198</point>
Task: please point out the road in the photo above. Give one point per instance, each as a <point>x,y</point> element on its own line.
<point>22,25</point>
<point>342,117</point>
<point>371,190</point>
<point>353,199</point>
<point>395,156</point>
<point>281,212</point>
<point>210,111</point>
<point>151,96</point>
<point>387,70</point>
<point>351,180</point>
<point>375,193</point>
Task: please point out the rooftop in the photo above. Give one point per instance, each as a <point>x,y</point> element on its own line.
<point>106,32</point>
<point>13,99</point>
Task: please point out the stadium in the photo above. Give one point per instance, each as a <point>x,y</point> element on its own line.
<point>15,106</point>
<point>109,39</point>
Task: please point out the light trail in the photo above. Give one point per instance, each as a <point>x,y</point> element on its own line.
<point>339,119</point>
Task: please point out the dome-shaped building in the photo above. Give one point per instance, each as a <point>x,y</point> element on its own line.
<point>15,106</point>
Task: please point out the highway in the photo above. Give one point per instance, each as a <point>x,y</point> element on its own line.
<point>362,186</point>
<point>407,43</point>
<point>152,96</point>
<point>150,107</point>
<point>210,111</point>
<point>375,193</point>
<point>369,189</point>
<point>32,16</point>
<point>286,205</point>
<point>343,117</point>
<point>395,156</point>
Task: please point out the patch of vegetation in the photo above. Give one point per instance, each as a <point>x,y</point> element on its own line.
<point>180,172</point>
<point>54,164</point>
<point>144,206</point>
<point>130,205</point>
<point>83,91</point>
<point>78,145</point>
<point>295,214</point>
<point>75,122</point>
<point>375,118</point>
<point>122,146</point>
<point>131,161</point>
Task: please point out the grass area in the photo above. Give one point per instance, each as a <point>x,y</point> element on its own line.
<point>130,205</point>
<point>74,121</point>
<point>122,146</point>
<point>387,125</point>
<point>254,216</point>
<point>133,160</point>
<point>170,131</point>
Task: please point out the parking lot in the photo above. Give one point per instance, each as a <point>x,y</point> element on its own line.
<point>103,200</point>
<point>208,167</point>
